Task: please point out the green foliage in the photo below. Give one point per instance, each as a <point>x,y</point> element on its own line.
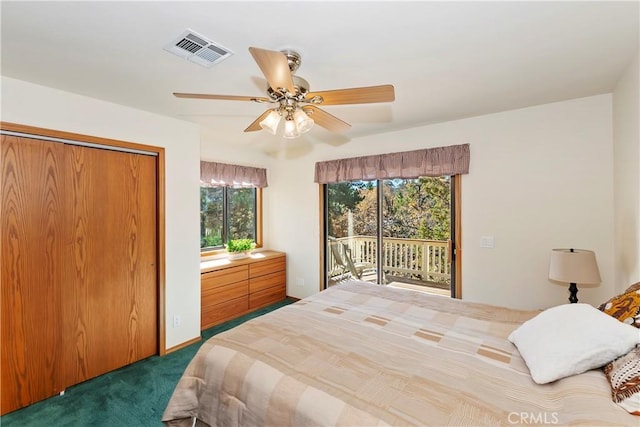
<point>412,208</point>
<point>343,196</point>
<point>418,209</point>
<point>240,245</point>
<point>211,212</point>
<point>210,241</point>
<point>240,212</point>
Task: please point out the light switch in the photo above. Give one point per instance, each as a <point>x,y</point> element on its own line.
<point>487,242</point>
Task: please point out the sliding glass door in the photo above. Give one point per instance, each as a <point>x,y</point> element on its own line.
<point>416,233</point>
<point>393,232</point>
<point>352,231</point>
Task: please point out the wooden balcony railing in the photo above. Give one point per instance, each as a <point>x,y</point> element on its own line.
<point>419,259</point>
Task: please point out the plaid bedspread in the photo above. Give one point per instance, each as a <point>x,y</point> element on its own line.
<point>368,355</point>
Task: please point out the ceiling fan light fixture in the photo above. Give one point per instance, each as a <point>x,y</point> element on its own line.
<point>303,121</point>
<point>270,123</point>
<point>290,129</point>
<point>295,103</point>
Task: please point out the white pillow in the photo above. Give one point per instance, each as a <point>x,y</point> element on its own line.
<point>570,339</point>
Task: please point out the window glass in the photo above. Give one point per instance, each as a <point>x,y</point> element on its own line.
<point>241,213</point>
<point>226,214</point>
<point>211,217</point>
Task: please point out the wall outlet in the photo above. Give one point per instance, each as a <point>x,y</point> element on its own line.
<point>176,320</point>
<point>299,281</point>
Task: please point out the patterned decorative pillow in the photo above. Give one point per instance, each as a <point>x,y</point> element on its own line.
<point>626,306</point>
<point>624,372</point>
<point>624,376</point>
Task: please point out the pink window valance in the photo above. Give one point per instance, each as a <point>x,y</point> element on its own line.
<point>439,161</point>
<point>226,175</point>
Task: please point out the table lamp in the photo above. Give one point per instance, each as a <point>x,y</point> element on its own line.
<point>574,266</point>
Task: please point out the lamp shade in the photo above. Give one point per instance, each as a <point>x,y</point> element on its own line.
<point>290,129</point>
<point>304,122</point>
<point>574,266</point>
<point>270,123</point>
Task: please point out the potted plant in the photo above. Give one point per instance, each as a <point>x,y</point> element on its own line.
<point>240,248</point>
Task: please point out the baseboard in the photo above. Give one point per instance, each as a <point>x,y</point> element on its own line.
<point>183,345</point>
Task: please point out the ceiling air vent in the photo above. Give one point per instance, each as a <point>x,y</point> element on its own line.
<point>196,48</point>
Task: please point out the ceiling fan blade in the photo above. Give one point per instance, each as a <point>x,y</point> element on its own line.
<point>356,95</point>
<point>275,67</point>
<point>326,120</point>
<point>256,123</point>
<point>224,97</point>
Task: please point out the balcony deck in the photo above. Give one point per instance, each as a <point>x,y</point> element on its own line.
<point>422,288</point>
<point>417,264</point>
<point>399,282</point>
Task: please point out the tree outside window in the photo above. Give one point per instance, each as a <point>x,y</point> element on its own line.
<point>413,208</point>
<point>226,213</point>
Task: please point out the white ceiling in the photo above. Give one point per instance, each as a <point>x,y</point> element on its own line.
<point>447,60</point>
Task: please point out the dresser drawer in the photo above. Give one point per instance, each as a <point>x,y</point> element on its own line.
<point>266,297</point>
<point>232,288</point>
<point>268,281</point>
<point>223,277</point>
<point>221,294</point>
<point>261,268</point>
<point>223,311</point>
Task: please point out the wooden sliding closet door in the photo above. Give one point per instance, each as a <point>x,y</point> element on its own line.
<point>79,281</point>
<point>31,242</point>
<point>110,310</point>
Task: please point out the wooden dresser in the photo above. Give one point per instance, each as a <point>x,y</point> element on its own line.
<point>231,288</point>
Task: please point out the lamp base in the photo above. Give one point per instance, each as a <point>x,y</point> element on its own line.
<point>573,293</point>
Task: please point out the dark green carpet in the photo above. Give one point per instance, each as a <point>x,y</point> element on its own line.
<point>135,395</point>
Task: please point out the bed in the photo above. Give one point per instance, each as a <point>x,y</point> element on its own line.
<point>359,354</point>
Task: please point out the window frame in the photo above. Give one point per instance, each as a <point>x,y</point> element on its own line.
<point>258,219</point>
<point>456,234</point>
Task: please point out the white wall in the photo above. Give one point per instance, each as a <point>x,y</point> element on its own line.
<point>626,149</point>
<point>540,178</point>
<point>33,105</point>
<point>214,150</point>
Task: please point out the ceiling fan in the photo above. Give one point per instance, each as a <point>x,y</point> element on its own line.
<point>294,102</point>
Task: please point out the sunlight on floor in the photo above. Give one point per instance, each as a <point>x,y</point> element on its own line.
<point>421,288</point>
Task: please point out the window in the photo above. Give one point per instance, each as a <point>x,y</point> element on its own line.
<point>230,204</point>
<point>227,213</point>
